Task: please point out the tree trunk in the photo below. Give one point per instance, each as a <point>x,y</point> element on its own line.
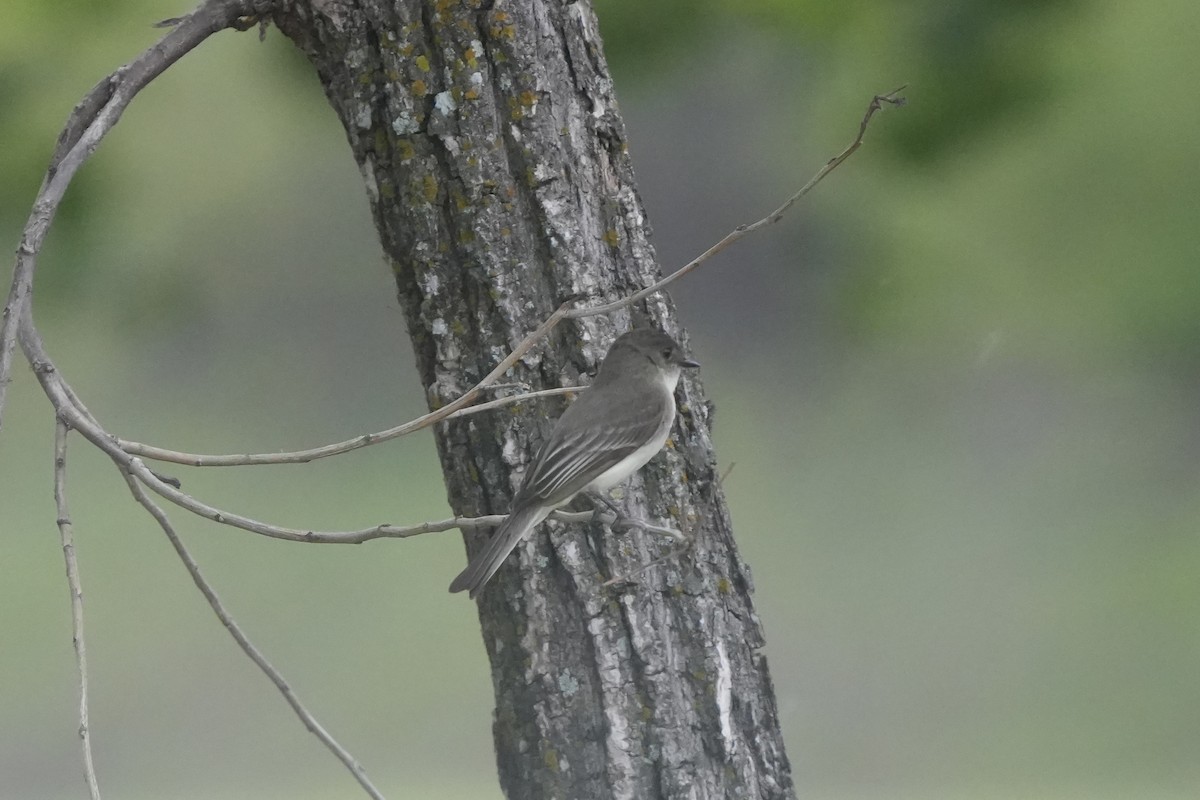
<point>497,170</point>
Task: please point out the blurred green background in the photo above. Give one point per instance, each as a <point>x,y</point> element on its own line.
<point>961,384</point>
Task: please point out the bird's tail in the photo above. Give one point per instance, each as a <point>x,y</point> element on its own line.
<point>503,540</point>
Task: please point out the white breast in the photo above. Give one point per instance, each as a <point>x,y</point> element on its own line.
<point>638,458</point>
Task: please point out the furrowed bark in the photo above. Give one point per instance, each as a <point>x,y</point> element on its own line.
<point>495,161</point>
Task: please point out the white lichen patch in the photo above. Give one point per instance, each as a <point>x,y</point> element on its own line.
<point>362,119</point>
<point>451,144</point>
<point>405,124</point>
<point>567,683</point>
<point>430,284</point>
<point>724,690</point>
<point>476,79</point>
<point>570,552</point>
<point>439,327</point>
<point>445,103</point>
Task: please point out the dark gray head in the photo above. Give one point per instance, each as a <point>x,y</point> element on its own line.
<point>645,351</point>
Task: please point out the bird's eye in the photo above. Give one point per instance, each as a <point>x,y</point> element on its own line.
<point>666,353</point>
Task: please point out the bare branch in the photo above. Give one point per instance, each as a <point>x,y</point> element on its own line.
<point>304,456</point>
<point>67,537</point>
<point>61,394</point>
<point>248,647</point>
<point>88,123</point>
<point>456,408</point>
<point>68,405</point>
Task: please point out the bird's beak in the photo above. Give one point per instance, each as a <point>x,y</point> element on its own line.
<point>687,362</point>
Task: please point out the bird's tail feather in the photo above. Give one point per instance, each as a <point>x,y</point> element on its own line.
<point>503,540</point>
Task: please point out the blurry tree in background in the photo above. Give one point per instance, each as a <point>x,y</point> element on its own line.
<point>980,344</point>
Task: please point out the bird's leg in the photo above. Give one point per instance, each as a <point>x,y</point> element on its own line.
<point>621,522</point>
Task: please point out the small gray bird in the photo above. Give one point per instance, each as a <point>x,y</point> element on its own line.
<point>610,432</point>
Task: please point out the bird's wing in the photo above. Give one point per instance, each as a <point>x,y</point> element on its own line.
<point>569,462</point>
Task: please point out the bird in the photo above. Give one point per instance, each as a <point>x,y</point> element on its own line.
<point>617,425</point>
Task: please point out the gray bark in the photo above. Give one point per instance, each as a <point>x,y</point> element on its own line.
<point>496,165</point>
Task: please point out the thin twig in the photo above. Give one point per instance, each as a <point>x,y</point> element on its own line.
<point>248,647</point>
<point>683,543</point>
<point>725,475</point>
<point>304,456</point>
<point>60,395</point>
<point>741,231</point>
<point>67,536</point>
<point>68,406</point>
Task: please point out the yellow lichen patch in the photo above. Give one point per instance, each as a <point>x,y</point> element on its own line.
<point>419,88</point>
<point>405,150</point>
<point>472,58</point>
<point>500,27</point>
<point>422,63</point>
<point>724,586</point>
<point>429,188</point>
<point>471,94</point>
<point>611,238</point>
<point>527,98</point>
